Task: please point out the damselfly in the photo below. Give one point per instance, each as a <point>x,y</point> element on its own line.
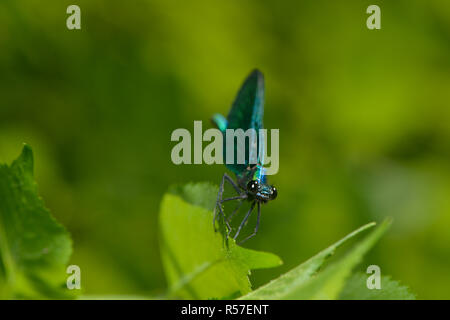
<point>251,182</point>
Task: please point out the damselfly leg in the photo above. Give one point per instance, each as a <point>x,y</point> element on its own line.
<point>255,231</point>
<point>241,195</point>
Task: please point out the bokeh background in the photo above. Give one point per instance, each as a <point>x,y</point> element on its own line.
<point>363,118</point>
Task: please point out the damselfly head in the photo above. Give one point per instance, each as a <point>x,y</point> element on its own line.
<point>261,191</point>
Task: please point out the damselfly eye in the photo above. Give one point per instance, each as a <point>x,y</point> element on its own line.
<point>253,186</point>
<point>274,193</point>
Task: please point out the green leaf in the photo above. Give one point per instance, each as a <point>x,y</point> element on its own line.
<point>34,248</point>
<point>303,282</point>
<point>356,289</point>
<point>197,262</point>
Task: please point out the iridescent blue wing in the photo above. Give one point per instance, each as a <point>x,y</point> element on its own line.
<point>247,112</point>
<point>248,108</point>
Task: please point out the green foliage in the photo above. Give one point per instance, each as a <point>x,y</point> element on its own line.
<point>198,263</point>
<point>34,248</point>
<point>362,119</point>
<point>303,283</point>
<point>356,289</point>
<point>292,282</point>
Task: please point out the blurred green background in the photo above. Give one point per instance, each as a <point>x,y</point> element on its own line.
<point>363,118</point>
